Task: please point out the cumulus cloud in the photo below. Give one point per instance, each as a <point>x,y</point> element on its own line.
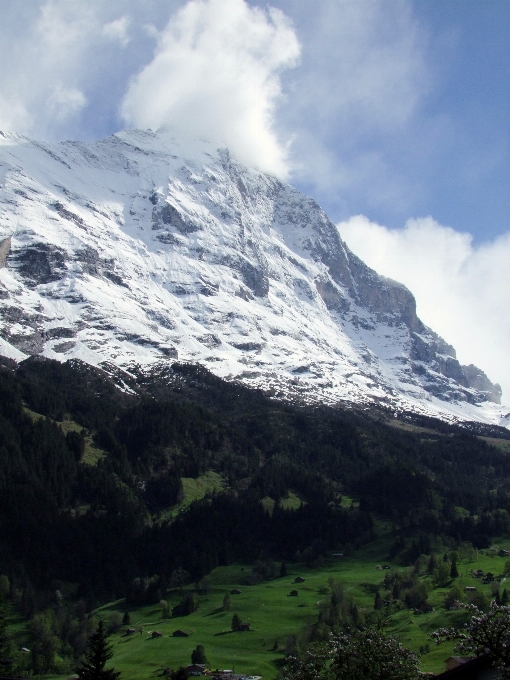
<point>67,63</point>
<point>462,289</point>
<point>65,102</point>
<point>118,30</point>
<point>216,73</point>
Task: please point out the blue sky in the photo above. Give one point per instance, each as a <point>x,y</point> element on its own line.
<point>450,158</point>
<point>395,110</point>
<point>470,53</point>
<point>446,157</point>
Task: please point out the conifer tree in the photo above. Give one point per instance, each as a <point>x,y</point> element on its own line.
<point>454,572</point>
<point>98,653</point>
<point>236,622</point>
<point>378,601</point>
<point>198,655</point>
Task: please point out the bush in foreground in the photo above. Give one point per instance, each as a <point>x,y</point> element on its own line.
<point>356,655</point>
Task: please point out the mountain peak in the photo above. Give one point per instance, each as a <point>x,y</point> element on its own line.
<point>147,246</point>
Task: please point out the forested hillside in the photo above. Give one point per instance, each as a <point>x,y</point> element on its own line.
<point>104,523</point>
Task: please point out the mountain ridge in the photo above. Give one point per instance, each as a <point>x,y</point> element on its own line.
<point>145,248</point>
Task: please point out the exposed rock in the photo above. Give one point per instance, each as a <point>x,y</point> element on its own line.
<point>39,263</point>
<point>67,214</point>
<point>63,347</point>
<point>168,215</point>
<point>477,379</point>
<point>254,276</point>
<point>5,249</point>
<point>57,333</point>
<point>94,265</point>
<point>169,352</point>
<point>333,298</point>
<point>209,288</point>
<point>248,346</point>
<point>29,344</point>
<point>210,341</point>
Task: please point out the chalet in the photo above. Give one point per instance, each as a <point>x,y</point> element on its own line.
<point>235,591</point>
<point>195,669</point>
<point>504,553</point>
<point>468,668</point>
<point>156,634</point>
<point>299,579</point>
<point>479,573</point>
<point>293,593</point>
<point>130,631</point>
<point>456,605</point>
<point>470,589</point>
<point>456,661</point>
<point>244,626</point>
<point>338,556</point>
<point>179,633</point>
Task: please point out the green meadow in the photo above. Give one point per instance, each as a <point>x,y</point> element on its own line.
<point>274,615</point>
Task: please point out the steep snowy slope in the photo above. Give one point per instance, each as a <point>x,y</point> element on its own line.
<point>143,248</point>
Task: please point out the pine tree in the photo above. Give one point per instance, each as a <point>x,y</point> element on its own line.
<point>454,572</point>
<point>236,622</point>
<point>283,570</point>
<point>198,655</point>
<point>126,619</point>
<point>378,602</point>
<point>98,653</point>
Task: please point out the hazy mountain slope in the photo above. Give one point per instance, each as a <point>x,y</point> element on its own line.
<point>142,248</point>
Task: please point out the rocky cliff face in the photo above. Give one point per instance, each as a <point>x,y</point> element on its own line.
<point>142,248</point>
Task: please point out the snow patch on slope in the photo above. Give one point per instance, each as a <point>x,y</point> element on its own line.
<point>144,248</point>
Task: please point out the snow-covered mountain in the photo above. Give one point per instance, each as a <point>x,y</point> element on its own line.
<point>144,248</point>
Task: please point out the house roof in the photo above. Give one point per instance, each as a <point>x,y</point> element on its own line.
<point>469,670</point>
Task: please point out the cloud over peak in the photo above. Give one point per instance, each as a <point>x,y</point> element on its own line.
<point>215,73</point>
<point>462,290</point>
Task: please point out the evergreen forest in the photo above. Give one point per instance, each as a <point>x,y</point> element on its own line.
<point>91,482</point>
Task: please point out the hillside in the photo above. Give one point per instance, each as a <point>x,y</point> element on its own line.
<point>109,493</point>
<point>162,430</point>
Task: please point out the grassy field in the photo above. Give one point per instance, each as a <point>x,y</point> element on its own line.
<point>92,452</point>
<point>292,502</point>
<point>274,616</point>
<point>503,444</point>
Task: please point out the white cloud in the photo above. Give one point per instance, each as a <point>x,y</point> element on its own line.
<point>62,74</point>
<point>65,102</point>
<point>363,79</point>
<point>216,73</point>
<point>118,30</point>
<point>13,114</point>
<point>365,62</point>
<point>462,290</point>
